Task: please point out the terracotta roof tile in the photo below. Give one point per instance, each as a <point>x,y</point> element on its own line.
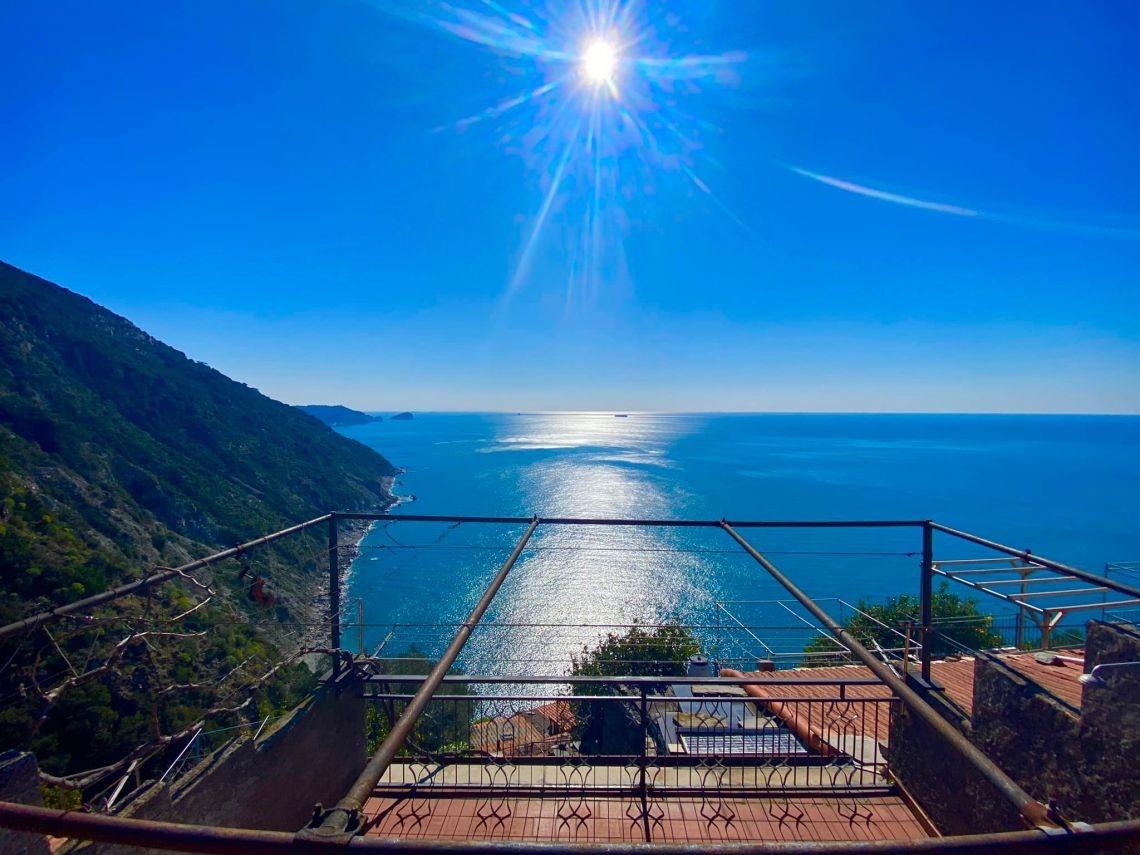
<point>956,676</point>
<point>1060,680</point>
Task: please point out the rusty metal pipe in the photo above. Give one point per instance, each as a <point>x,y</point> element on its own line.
<point>141,833</point>
<point>1034,813</point>
<point>154,579</point>
<point>344,817</point>
<point>334,591</point>
<point>626,521</point>
<point>926,599</point>
<point>1118,836</point>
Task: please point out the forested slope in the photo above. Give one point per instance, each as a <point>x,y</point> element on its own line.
<point>118,454</point>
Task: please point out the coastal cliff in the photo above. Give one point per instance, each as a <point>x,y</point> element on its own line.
<point>119,454</point>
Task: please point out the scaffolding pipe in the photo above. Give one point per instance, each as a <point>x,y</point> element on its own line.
<point>334,591</point>
<point>345,817</point>
<point>1118,836</point>
<point>592,521</point>
<point>926,598</point>
<point>1034,813</point>
<point>152,580</point>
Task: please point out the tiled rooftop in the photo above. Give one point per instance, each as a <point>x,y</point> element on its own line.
<point>1060,679</point>
<point>956,676</point>
<point>541,730</point>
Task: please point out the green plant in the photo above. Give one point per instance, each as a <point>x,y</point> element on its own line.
<point>959,625</point>
<point>641,652</point>
<point>609,727</point>
<point>59,798</point>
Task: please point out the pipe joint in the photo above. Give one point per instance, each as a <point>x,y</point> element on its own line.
<point>1096,677</point>
<point>331,826</point>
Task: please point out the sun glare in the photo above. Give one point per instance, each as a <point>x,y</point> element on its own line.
<point>597,106</point>
<point>599,62</point>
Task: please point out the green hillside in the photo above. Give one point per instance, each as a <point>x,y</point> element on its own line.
<point>119,453</point>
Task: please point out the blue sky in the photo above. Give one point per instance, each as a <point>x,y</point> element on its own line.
<point>896,206</point>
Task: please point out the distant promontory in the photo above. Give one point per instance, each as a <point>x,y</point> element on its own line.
<point>338,416</point>
<point>401,417</point>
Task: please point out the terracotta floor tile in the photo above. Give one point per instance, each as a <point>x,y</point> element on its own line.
<point>674,819</point>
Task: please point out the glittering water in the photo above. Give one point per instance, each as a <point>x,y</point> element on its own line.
<point>1062,486</point>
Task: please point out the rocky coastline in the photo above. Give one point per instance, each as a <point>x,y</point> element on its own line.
<point>350,536</point>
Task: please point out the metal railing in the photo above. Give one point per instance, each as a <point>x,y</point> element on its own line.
<point>804,643</point>
<point>204,742</point>
<point>818,734</point>
<point>701,734</point>
<point>633,741</point>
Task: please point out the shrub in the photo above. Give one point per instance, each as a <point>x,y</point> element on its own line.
<point>960,624</point>
<point>610,727</point>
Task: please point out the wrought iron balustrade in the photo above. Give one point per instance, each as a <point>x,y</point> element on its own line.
<point>637,735</point>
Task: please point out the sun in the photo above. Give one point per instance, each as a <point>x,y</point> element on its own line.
<point>599,62</point>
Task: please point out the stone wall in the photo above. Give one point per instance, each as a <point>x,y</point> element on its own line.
<point>1086,762</point>
<point>20,782</point>
<point>312,755</point>
<point>1029,733</point>
<point>1110,727</point>
<point>956,798</point>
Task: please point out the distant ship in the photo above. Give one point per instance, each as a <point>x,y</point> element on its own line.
<point>621,415</point>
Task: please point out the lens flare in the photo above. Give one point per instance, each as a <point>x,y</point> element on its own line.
<point>599,62</point>
<point>604,158</point>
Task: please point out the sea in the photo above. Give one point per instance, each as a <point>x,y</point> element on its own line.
<point>1066,487</point>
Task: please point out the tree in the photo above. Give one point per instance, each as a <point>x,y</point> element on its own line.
<point>609,727</point>
<point>642,652</point>
<point>959,625</point>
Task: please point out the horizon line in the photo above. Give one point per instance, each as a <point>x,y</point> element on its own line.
<point>611,412</point>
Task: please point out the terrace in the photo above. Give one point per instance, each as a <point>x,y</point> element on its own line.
<point>850,743</point>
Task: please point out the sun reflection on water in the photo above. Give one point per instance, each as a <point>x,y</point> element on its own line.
<point>573,584</point>
<point>613,575</point>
